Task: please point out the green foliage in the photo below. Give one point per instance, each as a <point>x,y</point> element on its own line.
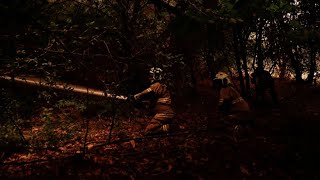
<point>227,7</point>
<point>99,43</point>
<point>59,126</point>
<point>5,105</point>
<point>9,135</point>
<point>279,7</point>
<point>80,106</point>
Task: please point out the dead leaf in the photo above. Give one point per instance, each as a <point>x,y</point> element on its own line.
<point>189,157</point>
<point>110,161</point>
<point>169,167</point>
<point>133,143</point>
<point>244,170</point>
<point>96,159</point>
<point>90,146</point>
<point>23,157</point>
<point>62,149</point>
<point>132,177</point>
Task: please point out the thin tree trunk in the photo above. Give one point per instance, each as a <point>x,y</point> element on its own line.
<point>243,49</point>
<point>87,127</point>
<point>113,108</point>
<point>238,60</point>
<point>12,54</point>
<point>259,45</point>
<point>312,67</point>
<point>125,30</point>
<point>283,68</point>
<point>210,51</point>
<point>295,65</point>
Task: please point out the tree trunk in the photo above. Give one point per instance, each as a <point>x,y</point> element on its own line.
<point>125,30</point>
<point>259,45</point>
<point>190,61</point>
<point>295,65</point>
<point>210,51</point>
<point>243,40</point>
<point>283,68</point>
<point>238,60</point>
<point>312,67</point>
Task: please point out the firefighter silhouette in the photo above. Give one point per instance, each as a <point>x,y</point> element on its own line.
<point>231,105</point>
<point>316,78</point>
<point>163,110</point>
<point>263,82</point>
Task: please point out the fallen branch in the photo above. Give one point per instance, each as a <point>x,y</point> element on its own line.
<point>150,137</point>
<point>25,162</point>
<point>76,155</point>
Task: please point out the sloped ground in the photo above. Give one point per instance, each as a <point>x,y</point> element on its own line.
<point>283,145</point>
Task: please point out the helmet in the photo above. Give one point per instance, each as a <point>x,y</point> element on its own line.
<point>223,77</point>
<point>156,74</point>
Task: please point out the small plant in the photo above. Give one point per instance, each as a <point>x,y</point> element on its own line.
<point>46,136</point>
<point>59,124</point>
<point>71,103</point>
<point>9,136</point>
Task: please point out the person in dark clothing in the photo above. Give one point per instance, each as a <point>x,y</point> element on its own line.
<point>263,82</point>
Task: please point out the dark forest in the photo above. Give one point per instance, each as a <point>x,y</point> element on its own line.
<point>164,89</point>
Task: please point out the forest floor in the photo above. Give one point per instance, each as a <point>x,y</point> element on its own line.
<point>283,145</point>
